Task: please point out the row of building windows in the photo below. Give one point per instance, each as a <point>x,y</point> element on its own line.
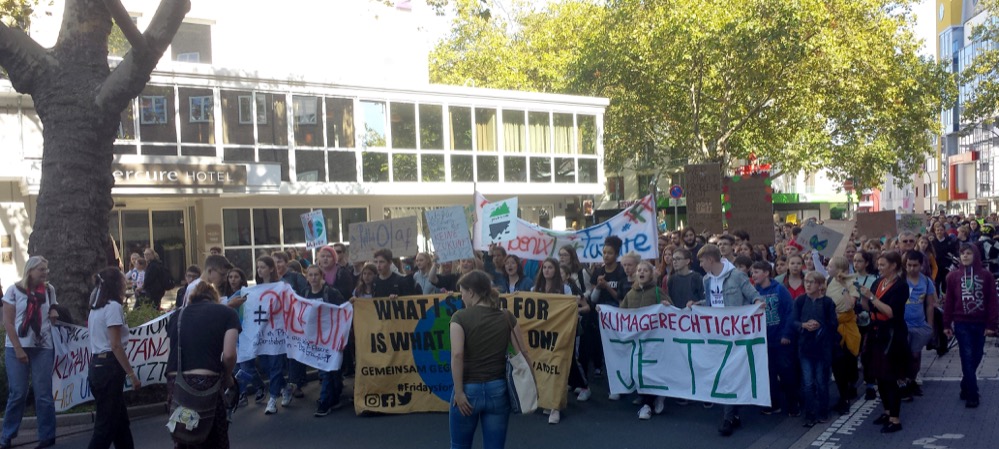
<point>262,119</point>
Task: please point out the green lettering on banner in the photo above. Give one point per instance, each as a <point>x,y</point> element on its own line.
<point>643,361</point>
<point>632,375</point>
<point>752,358</point>
<point>690,360</point>
<point>728,351</point>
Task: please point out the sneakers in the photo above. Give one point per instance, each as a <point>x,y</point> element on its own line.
<point>242,402</point>
<point>261,395</point>
<point>708,404</point>
<point>584,395</point>
<point>614,397</point>
<point>660,404</point>
<point>271,406</point>
<point>286,395</point>
<point>971,403</point>
<point>726,428</point>
<point>322,411</point>
<point>771,411</point>
<point>298,393</point>
<point>554,417</point>
<point>645,412</point>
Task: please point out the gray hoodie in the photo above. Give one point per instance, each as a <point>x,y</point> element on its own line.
<point>735,288</point>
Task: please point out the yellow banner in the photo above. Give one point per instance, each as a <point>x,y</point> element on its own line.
<point>404,349</point>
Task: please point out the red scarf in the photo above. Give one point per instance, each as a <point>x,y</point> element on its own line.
<point>33,312</point>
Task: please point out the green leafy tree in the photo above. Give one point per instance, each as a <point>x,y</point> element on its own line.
<point>79,100</point>
<point>802,84</point>
<point>982,75</point>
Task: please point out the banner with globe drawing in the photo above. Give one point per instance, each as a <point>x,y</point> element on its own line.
<point>635,225</point>
<point>404,349</point>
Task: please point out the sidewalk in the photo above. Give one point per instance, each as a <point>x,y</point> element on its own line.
<point>948,367</point>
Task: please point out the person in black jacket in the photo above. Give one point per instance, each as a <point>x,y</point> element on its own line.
<point>945,248</point>
<point>157,280</point>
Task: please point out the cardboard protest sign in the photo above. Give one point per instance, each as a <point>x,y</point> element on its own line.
<point>709,354</point>
<point>820,238</point>
<point>277,321</point>
<point>914,223</point>
<point>499,221</point>
<point>315,229</point>
<point>404,349</point>
<point>636,226</point>
<point>449,233</point>
<point>147,350</point>
<point>875,225</point>
<point>704,191</point>
<point>398,235</point>
<point>751,207</point>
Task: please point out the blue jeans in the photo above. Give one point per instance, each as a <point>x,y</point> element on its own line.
<point>331,388</point>
<point>971,343</point>
<point>273,365</point>
<point>815,374</point>
<point>491,404</point>
<point>39,367</point>
<point>248,377</point>
<point>296,373</point>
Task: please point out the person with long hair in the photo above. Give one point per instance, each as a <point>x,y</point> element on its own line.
<point>512,278</point>
<point>247,375</point>
<point>448,282</point>
<point>208,335</point>
<point>925,246</point>
<point>549,280</point>
<point>577,375</point>
<point>842,288</point>
<point>273,365</point>
<point>480,335</point>
<point>971,313</point>
<point>887,346</point>
<point>109,365</point>
<point>645,292</point>
<point>331,382</point>
<point>865,276</point>
<point>365,287</point>
<point>794,279</point>
<point>30,354</point>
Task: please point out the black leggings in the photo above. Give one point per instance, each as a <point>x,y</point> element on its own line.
<point>844,368</point>
<point>890,396</point>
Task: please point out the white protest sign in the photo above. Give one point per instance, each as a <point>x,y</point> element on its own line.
<point>315,229</point>
<point>820,238</point>
<point>636,226</point>
<point>147,350</point>
<point>277,321</point>
<point>710,354</point>
<point>449,232</point>
<point>499,221</point>
<point>398,235</point>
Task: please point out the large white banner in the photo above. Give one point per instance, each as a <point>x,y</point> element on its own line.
<point>636,226</point>
<point>277,321</point>
<point>710,354</point>
<point>147,350</point>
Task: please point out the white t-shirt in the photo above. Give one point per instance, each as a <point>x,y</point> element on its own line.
<point>100,320</point>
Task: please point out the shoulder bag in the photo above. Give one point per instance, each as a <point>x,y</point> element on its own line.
<point>192,412</point>
<point>520,379</point>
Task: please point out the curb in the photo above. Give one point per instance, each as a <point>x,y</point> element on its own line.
<point>86,418</point>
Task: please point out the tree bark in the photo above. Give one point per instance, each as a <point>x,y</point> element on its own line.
<point>65,83</point>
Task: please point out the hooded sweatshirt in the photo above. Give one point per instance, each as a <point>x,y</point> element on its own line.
<point>971,295</point>
<point>779,309</point>
<point>729,288</point>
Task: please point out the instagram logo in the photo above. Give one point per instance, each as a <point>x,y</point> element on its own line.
<point>372,400</point>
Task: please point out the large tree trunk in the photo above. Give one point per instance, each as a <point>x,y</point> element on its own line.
<point>79,101</point>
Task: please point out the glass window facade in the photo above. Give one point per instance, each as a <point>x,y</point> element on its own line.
<point>319,138</point>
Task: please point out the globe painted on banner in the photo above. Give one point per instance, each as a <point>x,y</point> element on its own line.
<point>434,364</point>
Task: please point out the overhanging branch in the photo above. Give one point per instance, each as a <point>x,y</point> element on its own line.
<point>23,58</point>
<point>125,24</point>
<point>130,77</point>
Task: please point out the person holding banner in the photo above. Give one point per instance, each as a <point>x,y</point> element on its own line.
<point>606,283</point>
<point>887,345</point>
<point>781,351</point>
<point>550,281</point>
<point>389,284</point>
<point>645,293</point>
<point>724,286</point>
<point>334,274</point>
<point>331,381</point>
<point>296,370</point>
<point>365,287</point>
<point>29,353</point>
<point>480,334</point>
<point>273,364</point>
<point>109,365</point>
<point>512,279</point>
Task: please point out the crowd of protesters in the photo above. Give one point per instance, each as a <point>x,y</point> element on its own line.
<point>864,318</point>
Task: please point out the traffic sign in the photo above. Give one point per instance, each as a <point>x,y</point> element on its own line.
<point>848,185</point>
<point>675,192</point>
